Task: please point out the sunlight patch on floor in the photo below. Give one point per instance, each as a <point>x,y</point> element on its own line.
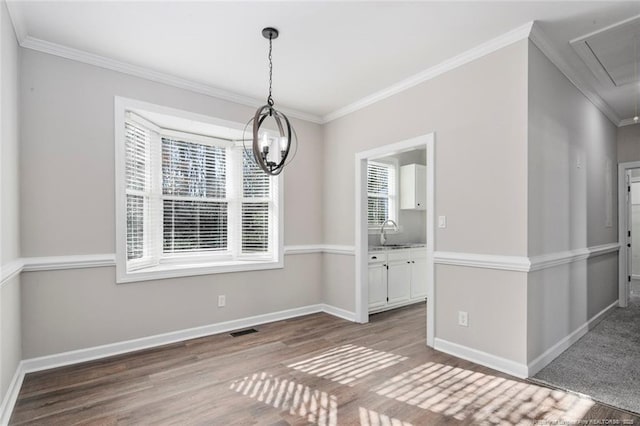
<point>373,418</point>
<point>348,363</point>
<point>313,405</point>
<point>465,394</point>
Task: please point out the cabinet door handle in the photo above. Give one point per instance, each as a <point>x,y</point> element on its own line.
<point>408,261</point>
<point>373,257</point>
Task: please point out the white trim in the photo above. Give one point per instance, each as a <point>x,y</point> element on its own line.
<point>627,122</point>
<point>486,261</point>
<point>508,263</point>
<point>623,213</point>
<point>339,312</point>
<point>52,263</point>
<point>124,273</point>
<point>523,263</point>
<point>550,354</point>
<point>472,54</point>
<point>603,249</point>
<point>303,249</point>
<point>117,348</point>
<point>361,229</point>
<point>483,358</point>
<point>10,398</point>
<point>10,270</point>
<point>551,260</point>
<point>29,42</point>
<point>538,37</point>
<point>336,249</point>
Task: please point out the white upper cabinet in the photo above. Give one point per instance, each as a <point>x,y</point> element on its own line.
<point>413,187</point>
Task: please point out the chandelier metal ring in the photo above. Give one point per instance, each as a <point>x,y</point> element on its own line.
<point>270,153</point>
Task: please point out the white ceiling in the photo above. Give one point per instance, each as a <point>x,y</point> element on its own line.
<point>329,54</point>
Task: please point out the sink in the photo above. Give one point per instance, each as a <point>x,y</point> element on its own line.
<point>395,246</point>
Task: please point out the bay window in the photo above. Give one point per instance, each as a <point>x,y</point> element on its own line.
<point>190,203</point>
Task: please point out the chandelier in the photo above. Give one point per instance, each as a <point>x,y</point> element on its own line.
<point>271,151</point>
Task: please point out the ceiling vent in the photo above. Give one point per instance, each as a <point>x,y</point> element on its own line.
<point>611,53</point>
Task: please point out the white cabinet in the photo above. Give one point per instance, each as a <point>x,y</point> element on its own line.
<point>397,278</point>
<point>419,274</point>
<point>413,187</point>
<point>377,280</point>
<point>398,281</point>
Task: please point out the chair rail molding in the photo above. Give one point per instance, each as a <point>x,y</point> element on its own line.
<point>523,263</point>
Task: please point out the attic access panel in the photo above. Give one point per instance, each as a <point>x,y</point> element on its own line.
<point>612,53</point>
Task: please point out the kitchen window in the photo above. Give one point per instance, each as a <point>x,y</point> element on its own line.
<point>382,189</point>
<point>190,202</point>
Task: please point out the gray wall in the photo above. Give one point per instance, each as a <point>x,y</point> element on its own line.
<point>567,205</point>
<point>479,115</point>
<point>67,186</point>
<point>10,330</point>
<point>629,143</point>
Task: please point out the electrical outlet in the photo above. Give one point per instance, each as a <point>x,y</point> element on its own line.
<point>463,319</point>
<point>222,301</point>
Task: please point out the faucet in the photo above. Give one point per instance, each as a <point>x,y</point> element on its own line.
<point>383,238</point>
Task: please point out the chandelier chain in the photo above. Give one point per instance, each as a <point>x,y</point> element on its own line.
<point>270,98</point>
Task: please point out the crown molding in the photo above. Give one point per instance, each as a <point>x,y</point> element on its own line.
<point>477,52</point>
<point>626,122</point>
<point>29,42</point>
<point>542,42</point>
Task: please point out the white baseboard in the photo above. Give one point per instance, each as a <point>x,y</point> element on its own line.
<point>10,398</point>
<point>103,351</point>
<point>97,352</point>
<point>339,312</point>
<point>553,352</point>
<point>483,358</point>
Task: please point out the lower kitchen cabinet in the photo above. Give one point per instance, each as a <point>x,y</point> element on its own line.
<point>397,278</point>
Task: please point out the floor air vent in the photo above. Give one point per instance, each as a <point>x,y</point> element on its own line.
<point>243,332</point>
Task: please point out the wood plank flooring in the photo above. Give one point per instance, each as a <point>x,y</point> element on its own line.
<point>314,369</point>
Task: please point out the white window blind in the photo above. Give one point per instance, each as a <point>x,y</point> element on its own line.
<point>137,141</point>
<point>192,200</point>
<point>256,208</point>
<point>381,189</point>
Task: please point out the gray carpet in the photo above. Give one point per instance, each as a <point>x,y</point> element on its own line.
<point>604,363</point>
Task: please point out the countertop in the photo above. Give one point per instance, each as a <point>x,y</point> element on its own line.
<point>396,247</point>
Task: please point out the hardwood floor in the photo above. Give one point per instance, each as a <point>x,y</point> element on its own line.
<point>313,369</point>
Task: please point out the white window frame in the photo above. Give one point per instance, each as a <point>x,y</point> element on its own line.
<point>199,263</point>
<point>394,202</point>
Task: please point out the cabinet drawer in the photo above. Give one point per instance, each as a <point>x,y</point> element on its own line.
<point>377,257</point>
<point>396,255</point>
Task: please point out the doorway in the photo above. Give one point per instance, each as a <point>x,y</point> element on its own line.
<point>629,232</point>
<point>425,142</point>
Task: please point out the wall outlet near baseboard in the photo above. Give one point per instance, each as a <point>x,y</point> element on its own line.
<point>222,300</point>
<point>463,319</point>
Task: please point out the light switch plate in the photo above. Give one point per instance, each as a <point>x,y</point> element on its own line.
<point>442,221</point>
<point>463,319</point>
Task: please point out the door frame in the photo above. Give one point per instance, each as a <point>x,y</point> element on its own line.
<point>361,238</point>
<point>623,226</point>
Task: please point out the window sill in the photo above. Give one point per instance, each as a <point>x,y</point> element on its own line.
<point>168,270</point>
